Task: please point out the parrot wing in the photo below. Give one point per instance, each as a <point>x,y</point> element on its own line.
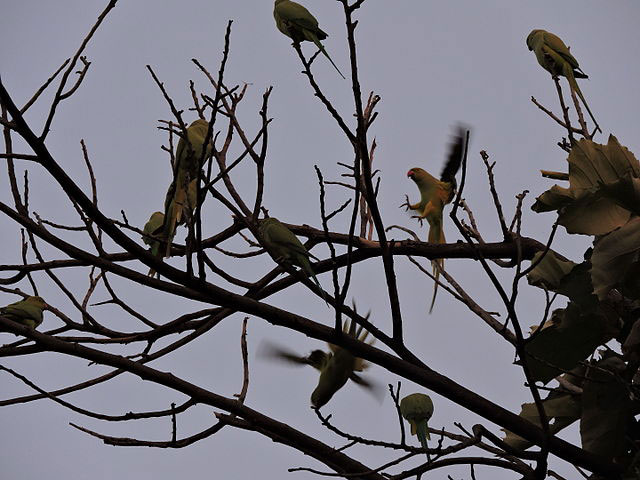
<point>375,388</point>
<point>269,350</point>
<point>298,16</point>
<point>454,157</point>
<point>557,45</point>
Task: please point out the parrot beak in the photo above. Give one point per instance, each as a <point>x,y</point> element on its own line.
<point>410,174</point>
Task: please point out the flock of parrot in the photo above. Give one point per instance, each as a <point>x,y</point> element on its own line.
<point>338,365</point>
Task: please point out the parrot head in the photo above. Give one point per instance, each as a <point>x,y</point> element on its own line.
<point>531,38</point>
<point>416,174</point>
<point>38,302</point>
<point>416,407</point>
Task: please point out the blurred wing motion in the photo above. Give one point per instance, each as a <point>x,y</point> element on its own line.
<point>271,351</point>
<point>435,194</point>
<point>336,366</point>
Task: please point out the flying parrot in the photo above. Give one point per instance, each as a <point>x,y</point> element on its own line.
<point>297,23</point>
<point>435,194</point>
<point>336,366</point>
<point>417,409</point>
<point>27,312</point>
<point>554,56</point>
<point>182,195</point>
<point>282,244</point>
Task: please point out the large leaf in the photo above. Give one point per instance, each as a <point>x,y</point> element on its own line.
<point>625,192</point>
<point>606,409</point>
<point>550,271</point>
<point>558,348</point>
<point>591,205</point>
<point>614,257</point>
<point>561,411</point>
<point>565,277</point>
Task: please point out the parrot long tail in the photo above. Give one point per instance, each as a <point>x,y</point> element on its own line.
<point>436,235</point>
<point>574,86</point>
<point>305,265</point>
<point>324,52</point>
<point>422,433</point>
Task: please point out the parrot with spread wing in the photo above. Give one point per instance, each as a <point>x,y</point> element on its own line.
<point>297,23</point>
<point>435,194</point>
<point>554,56</point>
<point>27,312</point>
<point>336,366</point>
<point>181,198</point>
<point>283,245</point>
<point>417,409</point>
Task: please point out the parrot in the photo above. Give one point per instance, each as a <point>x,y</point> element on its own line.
<point>27,312</point>
<point>554,56</point>
<point>297,23</point>
<point>434,195</point>
<point>181,197</point>
<point>417,409</point>
<point>335,367</point>
<point>153,229</point>
<point>284,245</point>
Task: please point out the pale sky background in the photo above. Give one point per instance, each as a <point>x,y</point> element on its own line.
<point>433,64</point>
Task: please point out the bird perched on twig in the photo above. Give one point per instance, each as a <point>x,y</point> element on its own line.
<point>27,312</point>
<point>284,246</point>
<point>417,409</point>
<point>554,56</point>
<point>297,23</point>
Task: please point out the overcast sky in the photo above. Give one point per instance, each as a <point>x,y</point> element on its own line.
<point>433,64</point>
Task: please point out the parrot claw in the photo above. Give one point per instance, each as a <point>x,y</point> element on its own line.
<point>406,203</point>
<point>420,219</point>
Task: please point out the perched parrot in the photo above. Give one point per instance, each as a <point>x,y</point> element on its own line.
<point>283,245</point>
<point>153,229</point>
<point>417,409</point>
<point>336,366</point>
<point>435,194</point>
<point>182,195</point>
<point>297,23</point>
<point>554,56</point>
<point>28,312</point>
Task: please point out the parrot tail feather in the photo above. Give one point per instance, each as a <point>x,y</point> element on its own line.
<point>436,235</point>
<point>574,86</point>
<point>324,52</point>
<point>423,434</point>
<point>324,296</point>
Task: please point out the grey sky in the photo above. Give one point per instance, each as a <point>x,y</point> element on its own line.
<point>433,64</point>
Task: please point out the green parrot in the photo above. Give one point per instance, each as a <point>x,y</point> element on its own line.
<point>182,195</point>
<point>554,56</point>
<point>27,312</point>
<point>417,409</point>
<point>153,229</point>
<point>297,23</point>
<point>434,195</point>
<point>336,366</point>
<point>283,245</point>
